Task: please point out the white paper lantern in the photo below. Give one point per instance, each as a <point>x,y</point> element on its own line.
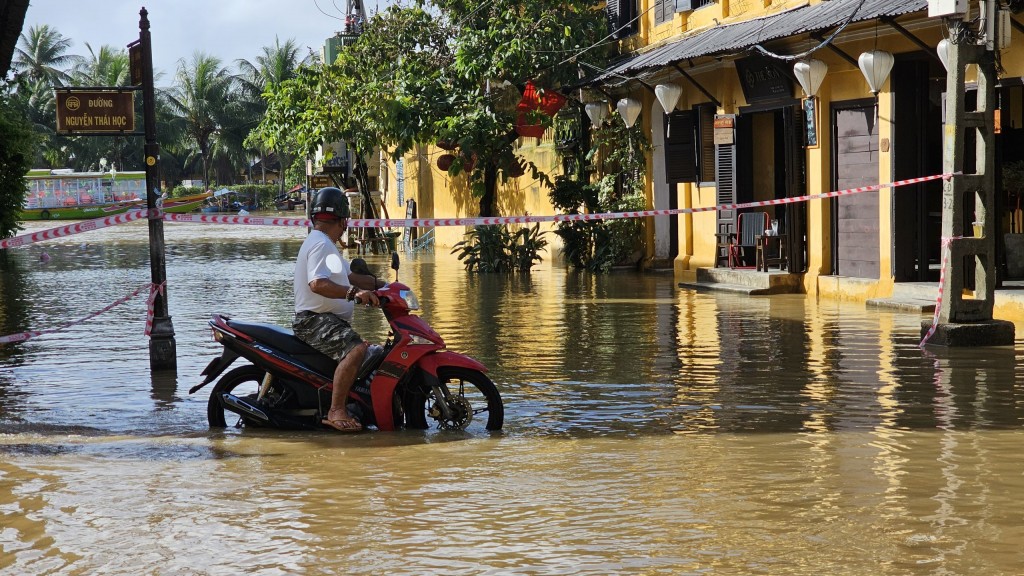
<point>668,95</point>
<point>943,49</point>
<point>629,109</point>
<point>875,66</point>
<point>597,112</point>
<point>810,74</point>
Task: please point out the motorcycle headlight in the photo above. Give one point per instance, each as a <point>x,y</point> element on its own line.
<point>410,299</point>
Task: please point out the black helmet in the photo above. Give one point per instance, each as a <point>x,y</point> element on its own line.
<point>332,201</point>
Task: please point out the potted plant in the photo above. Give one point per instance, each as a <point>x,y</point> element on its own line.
<point>1013,184</point>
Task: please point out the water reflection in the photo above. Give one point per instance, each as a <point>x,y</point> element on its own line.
<point>649,430</point>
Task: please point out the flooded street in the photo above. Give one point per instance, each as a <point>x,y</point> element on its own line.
<point>648,430</point>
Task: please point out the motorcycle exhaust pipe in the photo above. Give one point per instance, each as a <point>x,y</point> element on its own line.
<point>243,408</point>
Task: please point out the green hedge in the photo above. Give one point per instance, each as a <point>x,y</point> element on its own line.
<point>264,193</point>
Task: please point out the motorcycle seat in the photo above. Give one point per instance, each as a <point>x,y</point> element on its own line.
<point>281,338</point>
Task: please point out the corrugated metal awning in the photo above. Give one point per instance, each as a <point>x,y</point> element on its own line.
<point>739,36</point>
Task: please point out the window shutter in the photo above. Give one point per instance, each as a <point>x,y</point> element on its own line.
<point>725,176</point>
<point>659,11</point>
<point>612,10</point>
<point>706,129</point>
<point>621,14</point>
<point>680,147</point>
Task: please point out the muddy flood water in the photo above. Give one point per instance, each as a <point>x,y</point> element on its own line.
<point>648,430</point>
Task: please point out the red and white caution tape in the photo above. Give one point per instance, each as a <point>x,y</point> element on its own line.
<point>431,222</point>
<point>21,337</point>
<point>942,283</point>
<point>247,220</point>
<point>70,229</point>
<point>154,290</point>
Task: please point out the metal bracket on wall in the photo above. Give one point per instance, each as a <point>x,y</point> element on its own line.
<point>929,50</point>
<point>699,87</point>
<point>820,36</point>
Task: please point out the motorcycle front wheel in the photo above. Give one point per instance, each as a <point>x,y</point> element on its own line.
<point>243,381</point>
<point>472,400</point>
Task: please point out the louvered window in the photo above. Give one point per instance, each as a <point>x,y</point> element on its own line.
<point>622,18</point>
<point>706,139</point>
<point>686,5</point>
<point>680,148</point>
<point>663,10</point>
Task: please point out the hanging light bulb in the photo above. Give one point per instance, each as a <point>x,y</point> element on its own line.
<point>943,49</point>
<point>668,95</point>
<point>810,73</point>
<point>629,109</point>
<point>596,111</point>
<point>876,65</point>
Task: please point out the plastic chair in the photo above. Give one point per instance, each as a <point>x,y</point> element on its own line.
<point>749,226</point>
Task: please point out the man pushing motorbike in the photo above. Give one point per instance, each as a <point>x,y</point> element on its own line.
<point>326,291</point>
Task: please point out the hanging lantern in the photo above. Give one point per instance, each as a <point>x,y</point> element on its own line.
<point>629,109</point>
<point>444,161</point>
<point>875,66</point>
<point>551,102</point>
<point>527,130</point>
<point>943,49</point>
<point>597,112</point>
<point>810,74</point>
<point>668,95</point>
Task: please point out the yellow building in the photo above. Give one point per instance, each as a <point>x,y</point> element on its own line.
<point>744,131</point>
<point>438,194</point>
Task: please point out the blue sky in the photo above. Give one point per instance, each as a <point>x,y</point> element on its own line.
<point>228,29</point>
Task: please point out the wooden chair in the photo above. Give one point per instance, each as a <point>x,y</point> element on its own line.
<point>749,226</point>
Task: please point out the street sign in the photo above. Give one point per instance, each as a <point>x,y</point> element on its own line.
<point>317,181</point>
<point>135,65</point>
<point>95,111</point>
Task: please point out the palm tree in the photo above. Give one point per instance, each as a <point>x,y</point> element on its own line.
<point>42,56</point>
<point>200,97</point>
<point>108,67</point>
<point>276,64</point>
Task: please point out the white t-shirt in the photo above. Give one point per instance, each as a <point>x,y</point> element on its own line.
<point>320,258</point>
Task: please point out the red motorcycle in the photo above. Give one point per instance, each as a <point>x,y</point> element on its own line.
<point>407,382</point>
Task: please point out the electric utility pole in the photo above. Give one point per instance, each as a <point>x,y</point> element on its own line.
<point>969,238</point>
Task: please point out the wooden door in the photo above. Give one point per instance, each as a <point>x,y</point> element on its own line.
<point>855,246</point>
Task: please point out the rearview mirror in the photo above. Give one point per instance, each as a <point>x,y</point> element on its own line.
<point>394,261</point>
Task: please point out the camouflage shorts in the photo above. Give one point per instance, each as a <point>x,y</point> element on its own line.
<point>328,333</point>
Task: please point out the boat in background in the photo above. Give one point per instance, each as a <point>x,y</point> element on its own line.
<point>68,195</point>
<point>185,204</point>
<point>292,199</point>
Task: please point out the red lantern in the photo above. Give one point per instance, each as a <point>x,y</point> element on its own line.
<point>530,100</point>
<point>516,169</point>
<point>447,144</point>
<point>444,161</point>
<point>552,102</point>
<point>527,130</point>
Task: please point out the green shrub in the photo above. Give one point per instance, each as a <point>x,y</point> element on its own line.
<point>498,249</point>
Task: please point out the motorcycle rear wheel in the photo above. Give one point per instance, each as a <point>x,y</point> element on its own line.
<point>241,381</point>
<point>473,397</point>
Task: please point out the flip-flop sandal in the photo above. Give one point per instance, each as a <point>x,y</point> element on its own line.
<point>343,424</point>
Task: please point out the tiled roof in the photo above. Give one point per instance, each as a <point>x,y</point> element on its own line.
<point>739,36</point>
<point>12,17</point>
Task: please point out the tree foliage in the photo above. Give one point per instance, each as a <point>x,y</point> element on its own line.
<point>17,148</point>
<point>439,72</point>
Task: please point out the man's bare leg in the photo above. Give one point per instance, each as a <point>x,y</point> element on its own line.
<point>344,377</point>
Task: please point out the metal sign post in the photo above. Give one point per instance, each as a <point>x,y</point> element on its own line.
<point>162,347</point>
